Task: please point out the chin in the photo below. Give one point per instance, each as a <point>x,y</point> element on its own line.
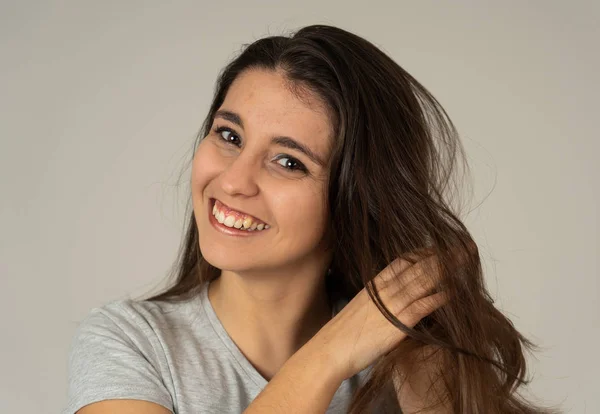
<point>222,258</point>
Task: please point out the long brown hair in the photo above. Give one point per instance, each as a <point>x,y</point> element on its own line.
<point>390,190</point>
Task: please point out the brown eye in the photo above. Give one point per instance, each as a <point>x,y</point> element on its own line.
<point>228,135</point>
<point>291,164</point>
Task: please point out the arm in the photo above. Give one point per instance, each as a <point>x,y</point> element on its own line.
<point>112,366</point>
<point>124,407</point>
<point>305,384</point>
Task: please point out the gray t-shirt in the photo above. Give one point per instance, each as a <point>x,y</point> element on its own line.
<point>177,355</point>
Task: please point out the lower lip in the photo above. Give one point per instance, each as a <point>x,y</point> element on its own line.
<point>230,231</point>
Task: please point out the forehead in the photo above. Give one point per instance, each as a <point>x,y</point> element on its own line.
<point>268,107</point>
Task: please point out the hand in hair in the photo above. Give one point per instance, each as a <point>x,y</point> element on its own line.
<point>359,334</point>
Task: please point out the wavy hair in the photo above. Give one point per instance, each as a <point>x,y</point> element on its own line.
<point>392,175</point>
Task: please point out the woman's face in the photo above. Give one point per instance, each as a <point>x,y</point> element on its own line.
<point>265,163</point>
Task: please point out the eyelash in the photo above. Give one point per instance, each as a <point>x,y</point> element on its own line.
<point>300,166</point>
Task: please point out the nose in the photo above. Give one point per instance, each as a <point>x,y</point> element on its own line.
<point>240,177</point>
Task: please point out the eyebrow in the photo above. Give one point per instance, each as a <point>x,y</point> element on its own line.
<point>283,141</point>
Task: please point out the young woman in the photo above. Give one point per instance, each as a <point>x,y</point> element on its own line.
<point>323,269</point>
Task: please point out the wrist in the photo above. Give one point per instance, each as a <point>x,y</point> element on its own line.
<point>323,360</point>
<point>306,383</point>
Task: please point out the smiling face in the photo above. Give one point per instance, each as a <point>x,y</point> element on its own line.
<point>266,156</point>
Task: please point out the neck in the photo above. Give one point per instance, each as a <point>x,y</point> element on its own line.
<point>271,316</point>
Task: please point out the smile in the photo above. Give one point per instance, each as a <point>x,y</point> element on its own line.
<point>234,222</point>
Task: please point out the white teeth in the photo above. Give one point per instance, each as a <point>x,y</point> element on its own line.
<point>243,224</point>
<point>229,221</point>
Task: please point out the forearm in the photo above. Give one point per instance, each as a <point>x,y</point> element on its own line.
<point>305,384</point>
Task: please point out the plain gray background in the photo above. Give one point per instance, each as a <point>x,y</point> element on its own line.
<point>101,101</point>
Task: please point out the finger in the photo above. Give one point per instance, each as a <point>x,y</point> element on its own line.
<point>426,273</point>
<point>418,288</point>
<point>427,269</point>
<point>395,269</point>
<point>403,282</point>
<point>423,307</point>
<point>401,297</point>
<point>390,273</point>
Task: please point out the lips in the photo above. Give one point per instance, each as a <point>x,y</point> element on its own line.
<point>234,211</point>
<point>238,228</point>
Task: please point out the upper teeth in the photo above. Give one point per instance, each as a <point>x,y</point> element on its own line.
<point>247,223</point>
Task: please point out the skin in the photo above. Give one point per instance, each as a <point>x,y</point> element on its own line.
<point>270,296</point>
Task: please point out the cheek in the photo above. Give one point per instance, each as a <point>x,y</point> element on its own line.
<point>205,166</point>
<point>302,211</point>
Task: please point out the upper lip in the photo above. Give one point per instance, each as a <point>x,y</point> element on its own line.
<point>239,211</point>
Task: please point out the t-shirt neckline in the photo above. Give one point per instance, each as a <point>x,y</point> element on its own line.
<point>219,329</point>
<point>237,354</point>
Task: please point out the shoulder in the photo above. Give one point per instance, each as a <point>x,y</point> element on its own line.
<point>134,317</point>
<point>117,352</point>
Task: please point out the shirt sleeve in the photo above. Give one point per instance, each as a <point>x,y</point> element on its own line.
<point>110,358</point>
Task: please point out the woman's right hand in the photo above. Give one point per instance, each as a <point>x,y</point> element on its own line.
<point>359,334</point>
